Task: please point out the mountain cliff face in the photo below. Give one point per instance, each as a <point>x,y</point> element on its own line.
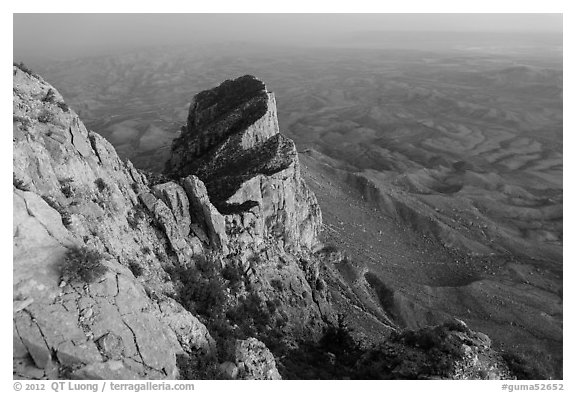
<point>211,271</point>
<point>251,171</point>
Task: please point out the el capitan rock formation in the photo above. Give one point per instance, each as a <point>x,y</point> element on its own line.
<point>233,144</point>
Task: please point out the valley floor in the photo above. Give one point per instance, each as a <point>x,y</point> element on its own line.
<point>515,300</point>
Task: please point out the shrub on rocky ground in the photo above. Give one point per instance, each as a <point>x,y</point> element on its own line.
<point>202,288</point>
<point>333,357</point>
<point>328,249</point>
<point>83,265</point>
<point>136,216</point>
<point>101,184</point>
<point>46,117</point>
<point>135,268</point>
<point>19,183</point>
<point>24,68</point>
<point>63,106</point>
<point>49,97</point>
<point>66,186</point>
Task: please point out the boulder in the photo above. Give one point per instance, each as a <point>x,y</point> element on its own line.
<point>254,360</point>
<point>228,370</point>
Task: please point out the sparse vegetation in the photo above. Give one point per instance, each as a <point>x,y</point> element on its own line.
<point>203,288</point>
<point>233,274</point>
<point>19,183</point>
<point>135,187</point>
<point>66,218</point>
<point>135,268</point>
<point>50,96</point>
<point>328,249</point>
<point>210,291</point>
<point>63,106</point>
<point>52,202</point>
<point>66,187</point>
<point>101,185</point>
<point>277,284</point>
<point>83,265</point>
<point>137,215</point>
<point>64,214</point>
<point>197,367</point>
<point>333,357</point>
<point>24,68</point>
<point>46,117</point>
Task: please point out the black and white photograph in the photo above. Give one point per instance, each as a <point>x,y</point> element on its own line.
<point>287,196</point>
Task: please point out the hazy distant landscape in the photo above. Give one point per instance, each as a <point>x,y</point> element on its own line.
<point>437,164</point>
<point>483,129</point>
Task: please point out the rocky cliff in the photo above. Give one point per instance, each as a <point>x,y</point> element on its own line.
<point>251,171</point>
<point>208,272</point>
<point>72,192</point>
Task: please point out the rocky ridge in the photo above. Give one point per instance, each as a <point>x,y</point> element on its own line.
<point>196,268</point>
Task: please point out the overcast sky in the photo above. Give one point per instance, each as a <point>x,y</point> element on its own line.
<point>72,35</point>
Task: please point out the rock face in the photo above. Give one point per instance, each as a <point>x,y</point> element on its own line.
<point>212,222</point>
<point>243,176</point>
<point>71,190</point>
<point>251,171</point>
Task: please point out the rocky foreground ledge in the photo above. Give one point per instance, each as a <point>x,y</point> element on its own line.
<point>119,274</point>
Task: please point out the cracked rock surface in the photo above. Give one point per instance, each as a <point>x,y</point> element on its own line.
<point>71,190</point>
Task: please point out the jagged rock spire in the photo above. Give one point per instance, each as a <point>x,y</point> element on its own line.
<point>232,142</point>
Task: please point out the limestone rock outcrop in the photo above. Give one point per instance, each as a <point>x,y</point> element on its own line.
<point>252,174</point>
<point>72,190</point>
<point>243,176</point>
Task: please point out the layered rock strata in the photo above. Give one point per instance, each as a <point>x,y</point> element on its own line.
<point>251,171</point>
